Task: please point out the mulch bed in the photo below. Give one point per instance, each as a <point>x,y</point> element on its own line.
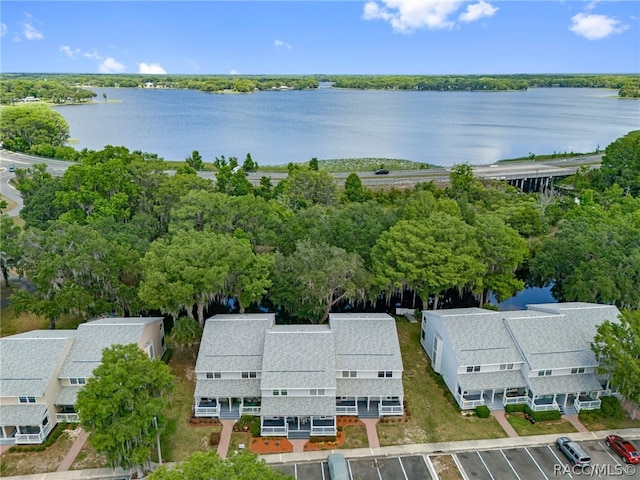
<point>266,445</point>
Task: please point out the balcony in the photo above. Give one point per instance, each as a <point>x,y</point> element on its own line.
<point>33,438</point>
<point>587,404</point>
<point>542,407</point>
<point>206,412</point>
<point>322,431</point>
<point>249,410</point>
<point>514,400</point>
<point>275,431</point>
<point>67,417</point>
<point>391,410</point>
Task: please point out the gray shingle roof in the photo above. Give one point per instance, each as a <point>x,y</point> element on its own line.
<point>299,356</point>
<point>23,414</point>
<point>478,336</point>
<point>212,388</point>
<point>68,395</point>
<point>28,363</point>
<point>561,338</point>
<point>491,380</point>
<point>94,336</point>
<point>565,384</point>
<point>366,342</point>
<point>369,387</point>
<point>233,343</point>
<point>298,406</point>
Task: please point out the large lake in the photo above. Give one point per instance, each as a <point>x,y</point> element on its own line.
<point>442,128</point>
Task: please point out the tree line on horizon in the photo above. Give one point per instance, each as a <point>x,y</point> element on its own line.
<point>74,88</point>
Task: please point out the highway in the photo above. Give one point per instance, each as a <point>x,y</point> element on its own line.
<point>398,178</point>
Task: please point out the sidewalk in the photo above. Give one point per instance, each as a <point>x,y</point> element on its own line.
<point>499,415</point>
<point>372,431</point>
<point>73,452</point>
<point>225,437</point>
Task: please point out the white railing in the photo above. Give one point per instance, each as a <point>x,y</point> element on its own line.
<point>346,410</point>
<point>249,410</point>
<point>29,438</point>
<point>544,407</point>
<point>323,430</point>
<point>265,431</point>
<point>68,417</point>
<point>472,403</point>
<point>391,410</point>
<point>206,412</point>
<point>514,400</point>
<point>587,404</point>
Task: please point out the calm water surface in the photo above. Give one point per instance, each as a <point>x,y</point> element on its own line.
<point>441,128</point>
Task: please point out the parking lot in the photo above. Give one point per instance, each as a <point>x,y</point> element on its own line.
<point>542,463</point>
<point>374,468</point>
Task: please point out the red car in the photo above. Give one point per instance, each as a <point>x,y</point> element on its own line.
<point>624,448</point>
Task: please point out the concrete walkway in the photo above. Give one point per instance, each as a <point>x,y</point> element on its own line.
<point>504,423</point>
<point>575,421</point>
<point>298,445</point>
<point>73,452</point>
<point>225,437</point>
<point>372,431</point>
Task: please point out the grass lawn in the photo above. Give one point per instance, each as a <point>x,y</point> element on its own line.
<point>594,422</point>
<point>237,439</point>
<point>355,436</point>
<point>525,428</point>
<point>433,415</point>
<point>445,467</point>
<point>29,463</point>
<point>180,438</point>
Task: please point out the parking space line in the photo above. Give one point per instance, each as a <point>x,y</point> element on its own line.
<point>460,467</point>
<point>510,466</point>
<point>295,470</point>
<point>403,470</point>
<point>537,465</point>
<point>322,469</point>
<point>432,469</point>
<point>375,461</point>
<point>485,465</point>
<point>348,465</point>
<point>559,461</point>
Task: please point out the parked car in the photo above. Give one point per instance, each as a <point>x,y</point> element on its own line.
<point>381,171</point>
<point>338,468</point>
<point>624,448</point>
<point>573,451</point>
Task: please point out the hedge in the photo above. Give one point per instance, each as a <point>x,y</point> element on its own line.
<point>545,416</point>
<point>482,411</point>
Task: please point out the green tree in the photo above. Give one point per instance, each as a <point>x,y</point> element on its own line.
<point>621,163</point>
<point>243,465</point>
<point>313,164</point>
<point>617,345</point>
<point>186,333</point>
<point>249,164</point>
<point>26,125</point>
<point>122,403</point>
<point>9,246</point>
<point>304,187</point>
<point>315,277</point>
<point>76,270</point>
<point>427,257</point>
<point>195,160</point>
<point>353,189</point>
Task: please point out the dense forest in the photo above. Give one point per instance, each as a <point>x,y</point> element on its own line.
<point>118,234</point>
<point>75,88</point>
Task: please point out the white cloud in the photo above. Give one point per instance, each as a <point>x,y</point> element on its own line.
<point>69,51</point>
<point>3,29</point>
<point>477,11</point>
<point>151,68</point>
<point>111,65</point>
<point>405,16</point>
<point>281,44</point>
<point>29,31</point>
<point>595,27</point>
<point>94,55</point>
<point>234,72</point>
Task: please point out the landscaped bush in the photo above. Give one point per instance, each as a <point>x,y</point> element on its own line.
<point>548,416</point>
<point>482,411</point>
<point>323,439</point>
<point>214,439</point>
<point>252,422</point>
<point>167,355</point>
<point>611,408</point>
<point>515,408</point>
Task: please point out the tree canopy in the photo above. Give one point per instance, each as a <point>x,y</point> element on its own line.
<point>24,126</point>
<point>121,405</point>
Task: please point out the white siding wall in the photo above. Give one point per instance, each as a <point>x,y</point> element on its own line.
<point>449,363</point>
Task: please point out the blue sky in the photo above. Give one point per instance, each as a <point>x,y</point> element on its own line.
<point>332,37</point>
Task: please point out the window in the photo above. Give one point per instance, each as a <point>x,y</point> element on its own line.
<point>279,393</point>
<point>283,393</point>
<point>245,374</point>
<point>249,374</point>
<point>217,375</point>
<point>544,373</point>
<point>577,370</point>
<point>423,335</point>
<point>77,381</point>
<point>253,374</point>
<point>275,393</point>
<point>506,366</point>
<point>209,374</point>
<point>348,374</point>
<point>383,374</point>
<point>27,399</point>
<point>473,368</point>
<point>316,392</point>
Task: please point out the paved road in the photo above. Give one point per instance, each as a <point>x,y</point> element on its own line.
<point>397,178</point>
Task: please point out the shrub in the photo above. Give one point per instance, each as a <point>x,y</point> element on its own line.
<point>547,416</point>
<point>251,421</point>
<point>514,408</point>
<point>611,408</point>
<point>482,411</point>
<point>340,428</point>
<point>214,439</point>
